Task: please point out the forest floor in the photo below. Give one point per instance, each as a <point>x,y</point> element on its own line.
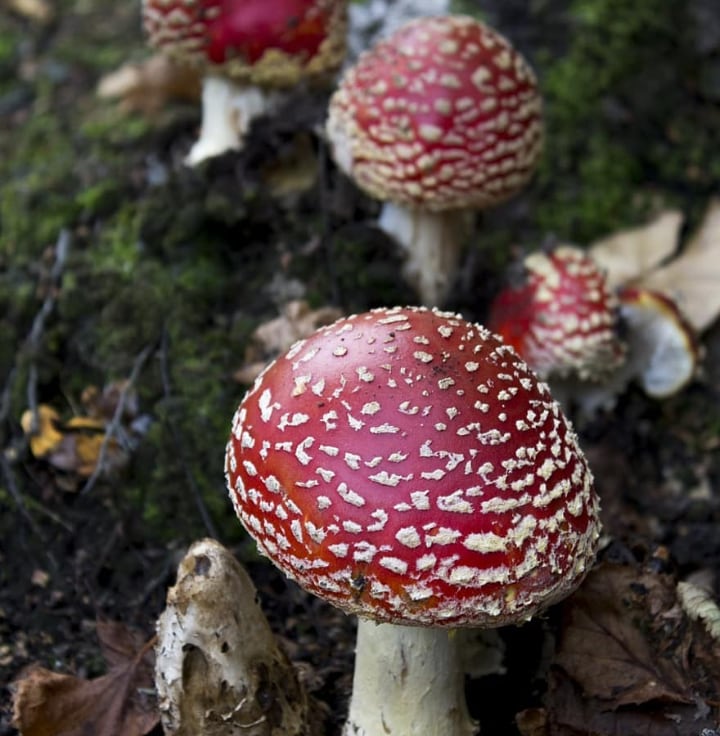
<point>130,287</point>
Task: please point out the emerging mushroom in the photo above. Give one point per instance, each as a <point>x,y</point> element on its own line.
<point>562,317</point>
<point>218,669</point>
<point>249,50</point>
<point>440,118</point>
<point>408,467</point>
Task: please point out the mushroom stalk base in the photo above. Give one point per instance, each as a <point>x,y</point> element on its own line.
<point>408,681</point>
<point>228,110</point>
<point>433,245</point>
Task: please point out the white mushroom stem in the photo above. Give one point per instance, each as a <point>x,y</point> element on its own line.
<point>433,244</point>
<point>228,109</point>
<point>408,680</point>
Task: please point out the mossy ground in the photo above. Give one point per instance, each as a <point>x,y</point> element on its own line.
<point>185,264</point>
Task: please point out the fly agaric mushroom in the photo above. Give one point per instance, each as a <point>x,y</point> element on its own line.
<point>663,351</point>
<point>249,50</point>
<point>440,118</point>
<point>562,318</point>
<point>408,467</point>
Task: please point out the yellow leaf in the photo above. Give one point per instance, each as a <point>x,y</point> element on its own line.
<point>77,423</point>
<point>45,437</point>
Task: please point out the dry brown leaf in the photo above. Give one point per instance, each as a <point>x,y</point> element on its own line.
<point>272,338</point>
<point>102,404</point>
<point>605,645</point>
<point>630,661</point>
<point>46,703</point>
<point>79,452</point>
<point>532,722</point>
<point>630,254</point>
<point>693,278</point>
<point>36,10</point>
<point>572,714</point>
<point>147,87</point>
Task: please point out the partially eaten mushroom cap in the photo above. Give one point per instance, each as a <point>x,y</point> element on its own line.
<point>562,317</point>
<point>247,49</point>
<point>408,467</point>
<point>664,350</point>
<point>441,117</point>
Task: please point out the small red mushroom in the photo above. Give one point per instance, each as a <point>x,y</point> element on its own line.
<point>441,117</point>
<point>408,467</point>
<point>249,49</point>
<point>562,318</point>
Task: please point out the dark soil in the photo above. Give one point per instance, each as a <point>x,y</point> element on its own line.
<point>170,270</point>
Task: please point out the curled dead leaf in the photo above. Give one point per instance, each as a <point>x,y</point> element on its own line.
<point>630,660</point>
<point>78,445</point>
<point>148,86</point>
<point>693,277</point>
<point>116,704</point>
<point>41,430</point>
<point>39,11</point>
<point>272,338</point>
<point>629,254</point>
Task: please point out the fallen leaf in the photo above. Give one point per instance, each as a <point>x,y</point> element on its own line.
<point>44,437</point>
<point>76,446</point>
<point>630,661</point>
<point>692,279</point>
<point>604,645</point>
<point>102,404</point>
<point>272,338</point>
<point>148,86</point>
<point>35,10</point>
<point>532,722</point>
<point>79,452</point>
<point>46,703</point>
<point>572,714</point>
<point>629,254</point>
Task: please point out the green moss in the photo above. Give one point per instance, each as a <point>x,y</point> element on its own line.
<point>622,121</point>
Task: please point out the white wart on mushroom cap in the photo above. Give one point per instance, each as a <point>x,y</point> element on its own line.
<point>443,114</point>
<point>407,466</point>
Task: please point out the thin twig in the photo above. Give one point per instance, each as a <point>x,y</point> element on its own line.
<point>179,444</point>
<point>114,425</point>
<point>31,345</point>
<point>34,338</point>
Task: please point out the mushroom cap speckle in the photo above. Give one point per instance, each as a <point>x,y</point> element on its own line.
<point>408,467</point>
<point>562,318</point>
<point>272,43</point>
<point>442,114</point>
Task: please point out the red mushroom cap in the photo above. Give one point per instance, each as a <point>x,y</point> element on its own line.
<point>663,346</point>
<point>273,42</point>
<point>407,466</point>
<point>563,318</point>
<point>443,114</point>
